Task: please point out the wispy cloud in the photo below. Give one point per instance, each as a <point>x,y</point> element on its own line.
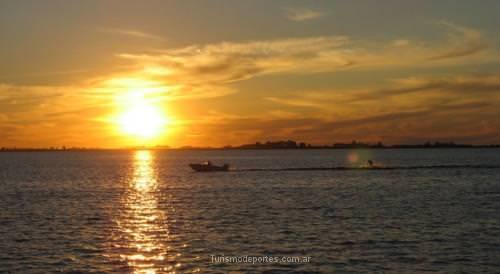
<point>423,108</point>
<point>131,33</point>
<point>44,74</point>
<point>40,110</point>
<point>401,43</point>
<point>296,102</point>
<point>302,14</point>
<point>452,89</point>
<point>226,62</point>
<point>464,42</point>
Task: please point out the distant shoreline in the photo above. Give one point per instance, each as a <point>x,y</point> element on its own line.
<point>269,145</point>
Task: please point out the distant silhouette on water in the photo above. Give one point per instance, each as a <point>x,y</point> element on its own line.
<point>208,167</point>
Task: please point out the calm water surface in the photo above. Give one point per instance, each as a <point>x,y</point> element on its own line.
<point>147,212</point>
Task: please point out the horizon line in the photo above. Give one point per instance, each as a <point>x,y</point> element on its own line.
<point>268,145</point>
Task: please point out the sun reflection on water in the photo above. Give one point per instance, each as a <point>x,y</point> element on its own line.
<point>143,224</point>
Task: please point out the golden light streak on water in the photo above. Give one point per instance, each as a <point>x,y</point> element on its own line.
<point>143,224</point>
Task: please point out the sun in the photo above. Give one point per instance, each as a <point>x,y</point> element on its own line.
<point>143,120</point>
<point>140,109</point>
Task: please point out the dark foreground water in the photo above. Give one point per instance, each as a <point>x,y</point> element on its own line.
<point>147,212</point>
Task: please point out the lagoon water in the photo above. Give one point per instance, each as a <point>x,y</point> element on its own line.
<point>147,212</point>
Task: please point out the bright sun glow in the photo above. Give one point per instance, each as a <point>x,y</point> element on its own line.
<point>143,120</point>
<point>140,109</point>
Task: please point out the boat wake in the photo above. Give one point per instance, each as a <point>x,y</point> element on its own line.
<point>370,168</point>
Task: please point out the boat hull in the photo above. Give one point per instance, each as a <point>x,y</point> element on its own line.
<point>208,168</point>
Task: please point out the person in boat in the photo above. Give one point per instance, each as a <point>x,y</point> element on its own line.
<point>208,163</point>
<point>370,163</point>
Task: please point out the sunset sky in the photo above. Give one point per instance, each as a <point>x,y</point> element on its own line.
<point>211,73</point>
